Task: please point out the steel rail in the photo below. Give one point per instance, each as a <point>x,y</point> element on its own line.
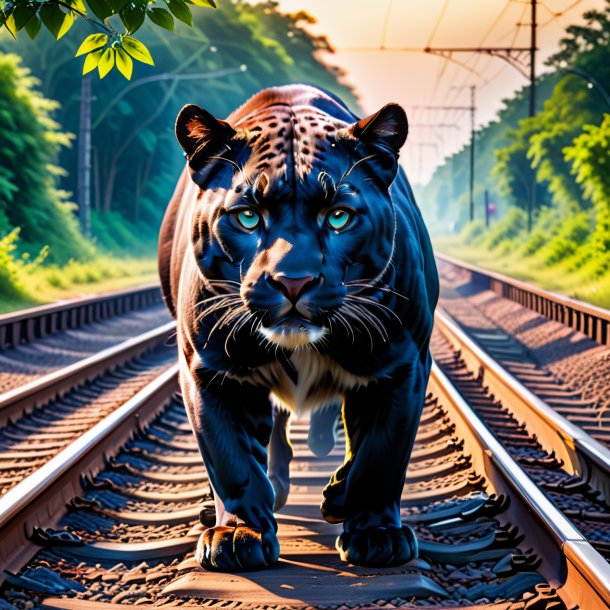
<point>40,498</point>
<point>584,575</point>
<point>580,453</point>
<point>37,322</point>
<point>588,319</point>
<point>15,402</point>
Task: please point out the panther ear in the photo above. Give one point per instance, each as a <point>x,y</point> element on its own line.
<point>198,132</point>
<point>379,138</point>
<point>388,128</point>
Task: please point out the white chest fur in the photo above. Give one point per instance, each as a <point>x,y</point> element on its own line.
<point>315,381</point>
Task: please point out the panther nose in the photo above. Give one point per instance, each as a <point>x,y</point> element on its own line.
<point>292,287</point>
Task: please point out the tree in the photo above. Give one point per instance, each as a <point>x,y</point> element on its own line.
<point>115,22</point>
<point>590,158</point>
<point>136,160</point>
<point>29,144</point>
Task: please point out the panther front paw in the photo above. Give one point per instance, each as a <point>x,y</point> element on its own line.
<point>236,549</point>
<point>378,546</point>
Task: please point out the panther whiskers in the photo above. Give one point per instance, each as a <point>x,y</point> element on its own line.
<point>382,287</point>
<point>367,316</point>
<point>372,303</point>
<point>226,301</point>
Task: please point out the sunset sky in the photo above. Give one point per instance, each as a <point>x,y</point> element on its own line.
<point>417,79</point>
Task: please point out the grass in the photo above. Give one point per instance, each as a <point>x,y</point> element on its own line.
<point>582,283</point>
<point>39,284</point>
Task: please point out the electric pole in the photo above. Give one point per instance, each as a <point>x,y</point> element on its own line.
<point>83,172</point>
<point>532,110</point>
<point>420,147</point>
<point>486,202</point>
<point>472,124</point>
<point>472,109</point>
<point>523,59</point>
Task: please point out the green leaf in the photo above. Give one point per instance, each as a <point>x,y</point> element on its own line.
<point>55,20</point>
<point>100,8</point>
<point>208,3</point>
<point>22,15</point>
<point>124,63</point>
<point>132,18</point>
<point>33,27</point>
<point>10,25</point>
<point>162,18</point>
<point>106,62</point>
<point>137,50</point>
<point>92,60</point>
<point>91,43</point>
<point>79,5</point>
<point>180,11</point>
<point>118,5</point>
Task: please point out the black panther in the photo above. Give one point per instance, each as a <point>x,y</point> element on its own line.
<point>301,274</point>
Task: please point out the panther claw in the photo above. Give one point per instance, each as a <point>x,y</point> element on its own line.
<point>378,546</point>
<point>236,549</point>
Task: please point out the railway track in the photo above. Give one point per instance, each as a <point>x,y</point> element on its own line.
<point>487,534</point>
<point>35,342</point>
<point>561,355</point>
<point>104,504</point>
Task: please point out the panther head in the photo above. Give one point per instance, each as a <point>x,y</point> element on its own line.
<point>294,217</point>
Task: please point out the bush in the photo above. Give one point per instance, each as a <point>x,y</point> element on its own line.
<point>573,233</point>
<point>537,239</point>
<point>29,143</point>
<point>473,232</point>
<point>13,268</point>
<point>546,226</point>
<point>512,225</point>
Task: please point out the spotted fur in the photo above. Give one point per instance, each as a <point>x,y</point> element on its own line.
<point>295,311</point>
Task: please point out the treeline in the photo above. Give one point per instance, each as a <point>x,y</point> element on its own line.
<point>228,55</point>
<point>566,145</point>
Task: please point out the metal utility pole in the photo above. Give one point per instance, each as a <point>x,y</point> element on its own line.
<point>83,173</point>
<point>523,59</point>
<point>420,160</point>
<point>486,201</point>
<point>472,125</point>
<point>472,110</point>
<point>531,204</point>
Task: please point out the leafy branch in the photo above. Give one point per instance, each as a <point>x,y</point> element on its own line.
<point>115,20</point>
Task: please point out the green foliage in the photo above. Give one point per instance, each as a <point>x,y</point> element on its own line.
<point>507,230</point>
<point>136,160</point>
<point>446,196</point>
<point>25,282</point>
<point>108,17</point>
<point>546,226</point>
<point>473,231</point>
<point>12,268</point>
<point>590,158</point>
<point>573,233</point>
<point>566,146</point>
<point>29,144</point>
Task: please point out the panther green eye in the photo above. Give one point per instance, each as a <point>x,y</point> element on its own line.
<point>248,219</point>
<point>339,219</point>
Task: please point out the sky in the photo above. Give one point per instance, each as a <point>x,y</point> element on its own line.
<point>357,28</point>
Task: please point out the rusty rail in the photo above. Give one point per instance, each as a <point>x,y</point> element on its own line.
<point>37,322</point>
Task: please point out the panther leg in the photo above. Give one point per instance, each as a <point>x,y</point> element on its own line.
<point>280,455</point>
<point>321,438</point>
<point>232,424</point>
<point>381,422</point>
